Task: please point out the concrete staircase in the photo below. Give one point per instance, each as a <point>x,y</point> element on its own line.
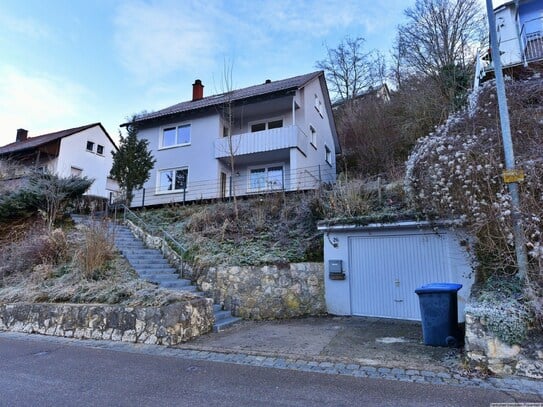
<point>151,266</point>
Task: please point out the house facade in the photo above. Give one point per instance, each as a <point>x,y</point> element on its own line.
<point>276,136</point>
<point>80,151</point>
<point>519,25</point>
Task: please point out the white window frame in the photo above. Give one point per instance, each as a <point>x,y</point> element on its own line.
<point>92,143</point>
<point>327,155</point>
<point>318,105</point>
<point>313,136</point>
<point>176,126</point>
<point>158,191</point>
<point>266,167</point>
<point>265,122</point>
<point>97,147</point>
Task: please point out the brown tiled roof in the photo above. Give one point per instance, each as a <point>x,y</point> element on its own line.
<point>236,95</point>
<point>33,142</point>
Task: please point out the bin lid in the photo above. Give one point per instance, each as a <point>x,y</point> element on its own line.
<point>438,288</point>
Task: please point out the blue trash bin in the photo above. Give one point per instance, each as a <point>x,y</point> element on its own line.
<point>439,313</point>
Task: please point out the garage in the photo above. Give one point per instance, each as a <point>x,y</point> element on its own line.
<point>374,270</point>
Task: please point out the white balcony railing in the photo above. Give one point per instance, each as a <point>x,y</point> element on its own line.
<point>262,141</point>
<point>531,37</point>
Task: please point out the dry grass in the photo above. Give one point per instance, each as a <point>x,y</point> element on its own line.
<point>95,251</point>
<point>75,265</point>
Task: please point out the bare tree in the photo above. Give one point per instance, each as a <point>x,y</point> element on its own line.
<point>439,41</point>
<point>227,116</point>
<point>350,70</point>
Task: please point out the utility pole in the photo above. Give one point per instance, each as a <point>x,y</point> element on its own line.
<point>511,175</point>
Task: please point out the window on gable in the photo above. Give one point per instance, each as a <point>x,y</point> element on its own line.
<point>266,179</point>
<point>318,105</point>
<point>267,125</point>
<point>176,136</point>
<point>90,146</point>
<point>174,179</point>
<point>313,136</point>
<point>100,149</point>
<point>76,172</point>
<point>328,155</point>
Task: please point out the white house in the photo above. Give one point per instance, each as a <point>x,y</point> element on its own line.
<point>519,25</point>
<point>80,151</point>
<point>279,135</point>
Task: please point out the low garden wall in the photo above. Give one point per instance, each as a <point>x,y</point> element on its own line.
<point>484,350</point>
<point>267,292</point>
<point>167,325</point>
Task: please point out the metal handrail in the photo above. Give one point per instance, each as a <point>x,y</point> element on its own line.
<point>152,230</point>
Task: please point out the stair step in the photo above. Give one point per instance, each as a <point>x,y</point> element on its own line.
<point>217,308</point>
<point>225,323</point>
<point>221,315</point>
<point>157,278</point>
<point>175,284</point>
<point>188,288</point>
<point>141,269</point>
<point>152,265</point>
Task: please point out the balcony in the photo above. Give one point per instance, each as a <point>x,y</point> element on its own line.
<point>262,141</point>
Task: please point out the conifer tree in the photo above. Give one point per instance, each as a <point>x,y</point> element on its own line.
<point>133,161</point>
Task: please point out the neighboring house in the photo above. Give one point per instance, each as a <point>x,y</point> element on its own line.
<point>280,134</point>
<point>81,151</point>
<point>380,93</point>
<point>520,35</point>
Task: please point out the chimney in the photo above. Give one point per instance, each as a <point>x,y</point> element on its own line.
<point>197,90</point>
<point>268,81</point>
<point>22,135</point>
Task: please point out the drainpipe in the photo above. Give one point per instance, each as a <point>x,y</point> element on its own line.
<point>293,111</point>
<point>517,26</point>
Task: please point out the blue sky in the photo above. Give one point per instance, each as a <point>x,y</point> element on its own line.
<point>66,63</point>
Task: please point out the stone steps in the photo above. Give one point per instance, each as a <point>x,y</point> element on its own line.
<point>151,266</point>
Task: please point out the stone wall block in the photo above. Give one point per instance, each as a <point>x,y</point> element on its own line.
<point>487,352</point>
<point>170,324</point>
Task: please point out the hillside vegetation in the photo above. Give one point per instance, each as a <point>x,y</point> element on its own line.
<point>457,172</point>
<point>271,228</point>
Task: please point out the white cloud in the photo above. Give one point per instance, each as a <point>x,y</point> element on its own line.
<point>39,103</point>
<point>158,38</point>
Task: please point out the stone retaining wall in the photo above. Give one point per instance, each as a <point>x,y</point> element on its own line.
<point>267,292</point>
<point>166,325</point>
<point>485,351</point>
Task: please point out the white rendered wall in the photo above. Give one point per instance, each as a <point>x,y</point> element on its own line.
<point>73,153</point>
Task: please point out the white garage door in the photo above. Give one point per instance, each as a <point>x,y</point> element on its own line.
<point>386,270</point>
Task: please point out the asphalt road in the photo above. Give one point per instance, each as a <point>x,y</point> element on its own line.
<point>42,373</point>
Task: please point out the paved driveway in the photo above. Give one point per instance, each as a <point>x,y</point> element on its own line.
<point>368,341</point>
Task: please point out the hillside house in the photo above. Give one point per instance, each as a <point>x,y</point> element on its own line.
<point>80,151</point>
<point>519,25</point>
<point>279,135</point>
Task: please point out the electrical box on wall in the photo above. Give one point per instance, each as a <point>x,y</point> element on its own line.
<point>335,270</point>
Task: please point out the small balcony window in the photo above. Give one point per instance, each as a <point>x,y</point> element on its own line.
<point>267,125</point>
